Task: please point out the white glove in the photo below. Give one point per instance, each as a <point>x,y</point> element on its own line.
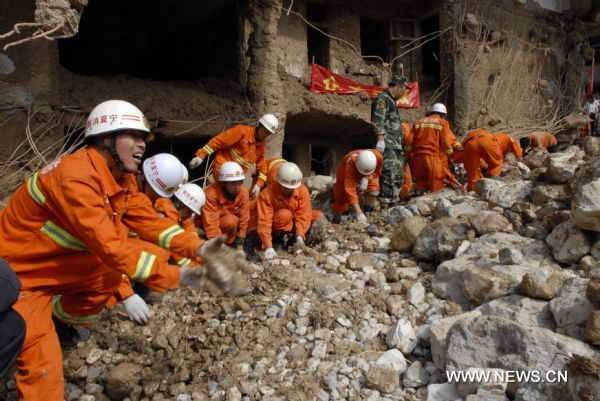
<point>363,184</point>
<point>255,191</point>
<point>299,241</point>
<point>269,254</point>
<point>361,217</point>
<point>380,146</point>
<point>195,162</point>
<point>137,309</point>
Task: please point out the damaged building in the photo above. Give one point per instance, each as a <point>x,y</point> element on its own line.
<point>197,67</point>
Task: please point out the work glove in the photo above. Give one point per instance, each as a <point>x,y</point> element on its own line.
<point>361,217</point>
<point>380,146</point>
<point>195,162</point>
<point>363,184</point>
<point>221,270</point>
<point>269,254</point>
<point>255,191</point>
<point>137,309</point>
<point>300,241</point>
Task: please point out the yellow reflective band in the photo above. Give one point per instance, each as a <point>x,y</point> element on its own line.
<point>261,176</point>
<point>184,262</point>
<point>434,126</point>
<point>165,238</point>
<point>144,266</point>
<point>208,150</point>
<point>131,234</point>
<point>407,148</point>
<point>239,159</point>
<point>449,151</point>
<point>273,163</point>
<point>34,190</point>
<point>62,237</point>
<point>58,311</point>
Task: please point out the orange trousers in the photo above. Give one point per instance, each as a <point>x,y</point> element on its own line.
<point>407,185</point>
<point>283,220</point>
<point>478,149</point>
<point>229,223</point>
<point>428,171</point>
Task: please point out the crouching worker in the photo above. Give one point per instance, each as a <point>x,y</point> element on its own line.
<point>64,233</point>
<point>283,208</point>
<point>227,208</point>
<point>539,139</point>
<point>358,172</point>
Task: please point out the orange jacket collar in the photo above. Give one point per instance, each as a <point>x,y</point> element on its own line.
<point>101,166</point>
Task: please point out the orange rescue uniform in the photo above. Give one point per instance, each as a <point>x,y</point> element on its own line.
<point>508,144</point>
<point>431,137</point>
<point>65,232</point>
<point>276,211</point>
<point>237,144</point>
<point>540,139</point>
<point>221,214</point>
<point>407,185</point>
<point>479,145</point>
<point>347,178</point>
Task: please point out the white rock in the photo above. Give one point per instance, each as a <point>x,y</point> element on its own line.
<point>571,307</point>
<point>402,336</point>
<point>508,194</point>
<point>416,294</point>
<point>415,376</point>
<point>319,350</point>
<point>93,356</point>
<point>344,321</point>
<point>439,332</point>
<point>568,243</point>
<point>442,392</point>
<point>393,359</point>
<point>523,310</point>
<point>369,330</point>
<point>585,210</point>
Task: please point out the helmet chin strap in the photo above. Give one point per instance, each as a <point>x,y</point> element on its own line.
<point>112,151</point>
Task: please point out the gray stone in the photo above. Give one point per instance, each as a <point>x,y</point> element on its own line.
<point>568,243</point>
<point>6,64</point>
<point>121,380</point>
<point>488,221</point>
<point>570,307</point>
<point>406,233</point>
<point>561,166</point>
<point>398,213</point>
<point>393,359</point>
<point>442,392</point>
<point>382,379</point>
<point>416,294</point>
<point>542,194</point>
<point>508,194</point>
<point>415,376</point>
<point>540,285</point>
<point>441,238</point>
<point>522,310</point>
<point>445,208</point>
<point>536,158</point>
<point>585,210</point>
<point>319,183</point>
<point>592,328</point>
<point>402,336</point>
<point>485,187</point>
<point>510,256</point>
<point>439,332</point>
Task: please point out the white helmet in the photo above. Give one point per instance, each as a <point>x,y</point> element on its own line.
<point>115,115</point>
<point>231,171</point>
<point>439,108</point>
<point>186,176</point>
<point>289,175</point>
<point>164,173</point>
<point>366,162</point>
<point>270,122</point>
<point>192,196</point>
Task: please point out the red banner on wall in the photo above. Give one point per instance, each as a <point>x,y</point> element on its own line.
<point>325,81</point>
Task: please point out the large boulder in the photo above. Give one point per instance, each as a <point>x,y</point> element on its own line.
<point>488,221</point>
<point>445,208</point>
<point>561,166</point>
<point>571,307</point>
<point>542,194</point>
<point>439,333</point>
<point>319,183</point>
<point>406,233</point>
<point>585,209</point>
<point>121,380</point>
<point>485,187</point>
<point>536,158</point>
<point>568,243</point>
<point>508,194</point>
<point>477,276</point>
<point>441,238</point>
<point>495,342</point>
<point>522,310</point>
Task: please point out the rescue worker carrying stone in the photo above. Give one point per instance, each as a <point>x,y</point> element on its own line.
<point>385,119</point>
<point>227,208</point>
<point>539,139</point>
<point>431,137</point>
<point>358,171</point>
<point>64,232</point>
<point>283,208</point>
<point>241,144</point>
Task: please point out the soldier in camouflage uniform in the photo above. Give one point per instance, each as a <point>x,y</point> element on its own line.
<point>386,124</point>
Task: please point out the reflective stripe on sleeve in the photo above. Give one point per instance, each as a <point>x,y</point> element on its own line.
<point>34,190</point>
<point>144,266</point>
<point>165,238</point>
<point>62,237</point>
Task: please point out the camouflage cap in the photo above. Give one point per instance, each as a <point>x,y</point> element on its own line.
<point>398,80</point>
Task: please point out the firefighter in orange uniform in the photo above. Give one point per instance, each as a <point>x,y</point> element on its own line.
<point>539,139</point>
<point>431,137</point>
<point>358,171</point>
<point>241,144</point>
<point>508,144</point>
<point>227,208</point>
<point>479,145</point>
<point>64,232</point>
<point>283,207</point>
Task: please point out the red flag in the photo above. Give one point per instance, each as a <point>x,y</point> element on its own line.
<point>325,81</point>
<point>589,88</point>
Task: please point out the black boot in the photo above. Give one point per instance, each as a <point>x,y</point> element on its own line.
<point>68,335</point>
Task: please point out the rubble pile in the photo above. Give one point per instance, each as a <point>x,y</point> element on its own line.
<point>504,280</point>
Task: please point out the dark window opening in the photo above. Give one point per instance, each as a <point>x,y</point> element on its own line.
<point>184,150</point>
<point>374,38</point>
<point>431,52</point>
<point>316,42</point>
<point>321,162</point>
<point>363,145</point>
<point>287,152</point>
<point>156,39</point>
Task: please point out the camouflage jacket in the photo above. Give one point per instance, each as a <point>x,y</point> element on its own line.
<point>385,117</point>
